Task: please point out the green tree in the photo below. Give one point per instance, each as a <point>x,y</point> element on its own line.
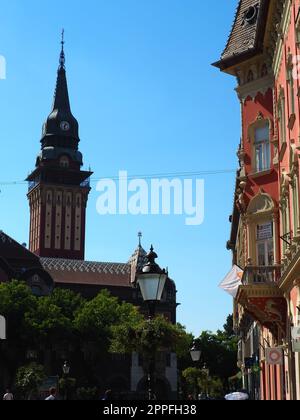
<point>29,379</point>
<point>144,337</point>
<point>96,319</point>
<point>193,378</point>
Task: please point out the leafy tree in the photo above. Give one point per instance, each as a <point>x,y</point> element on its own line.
<point>97,318</point>
<point>29,379</point>
<point>145,337</point>
<point>16,299</point>
<point>192,377</point>
<point>68,301</point>
<point>228,327</point>
<point>46,322</point>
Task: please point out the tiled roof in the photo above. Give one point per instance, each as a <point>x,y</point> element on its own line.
<point>87,273</point>
<point>17,255</point>
<point>137,260</point>
<point>245,32</point>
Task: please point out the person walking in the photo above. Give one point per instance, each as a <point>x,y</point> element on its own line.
<point>52,396</point>
<point>8,396</point>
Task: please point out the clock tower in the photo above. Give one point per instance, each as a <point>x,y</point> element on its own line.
<point>58,187</point>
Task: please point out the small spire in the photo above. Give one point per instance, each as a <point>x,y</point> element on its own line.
<point>140,235</point>
<point>62,58</point>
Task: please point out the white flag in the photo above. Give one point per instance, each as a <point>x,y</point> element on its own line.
<point>232,281</point>
<point>2,328</point>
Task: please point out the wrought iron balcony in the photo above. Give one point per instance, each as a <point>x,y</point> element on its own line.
<point>256,275</point>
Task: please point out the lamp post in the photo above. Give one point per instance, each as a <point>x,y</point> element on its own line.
<point>195,353</point>
<point>66,370</point>
<point>151,280</point>
<point>205,370</point>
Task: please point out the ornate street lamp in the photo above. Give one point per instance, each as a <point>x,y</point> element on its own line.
<point>195,353</point>
<point>66,369</point>
<point>151,280</point>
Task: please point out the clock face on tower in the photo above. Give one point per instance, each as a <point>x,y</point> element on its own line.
<point>65,126</point>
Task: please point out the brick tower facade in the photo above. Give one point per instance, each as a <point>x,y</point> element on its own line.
<point>58,188</point>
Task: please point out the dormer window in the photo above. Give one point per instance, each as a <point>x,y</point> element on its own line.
<point>250,15</point>
<point>64,162</point>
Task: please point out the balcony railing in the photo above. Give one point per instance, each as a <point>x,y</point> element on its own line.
<point>255,275</point>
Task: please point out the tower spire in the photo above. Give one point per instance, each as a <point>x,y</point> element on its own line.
<point>62,58</point>
<point>140,235</point>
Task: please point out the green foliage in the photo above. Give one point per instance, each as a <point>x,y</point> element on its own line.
<point>69,302</point>
<point>145,337</point>
<point>210,386</point>
<point>29,379</point>
<point>16,299</point>
<point>192,376</point>
<point>46,321</point>
<point>67,386</point>
<point>96,319</point>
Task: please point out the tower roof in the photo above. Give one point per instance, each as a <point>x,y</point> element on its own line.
<point>246,34</point>
<point>137,260</point>
<point>61,127</point>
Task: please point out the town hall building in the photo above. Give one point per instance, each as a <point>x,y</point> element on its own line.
<point>58,195</point>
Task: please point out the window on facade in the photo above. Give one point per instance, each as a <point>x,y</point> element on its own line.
<point>64,162</point>
<point>282,120</point>
<point>295,190</point>
<point>265,245</point>
<point>290,80</point>
<point>264,70</point>
<point>262,148</point>
<point>250,76</point>
<point>285,218</point>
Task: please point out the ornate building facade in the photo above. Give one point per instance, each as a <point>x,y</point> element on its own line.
<point>263,52</point>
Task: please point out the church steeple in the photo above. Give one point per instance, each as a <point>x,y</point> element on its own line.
<point>61,128</point>
<point>58,188</point>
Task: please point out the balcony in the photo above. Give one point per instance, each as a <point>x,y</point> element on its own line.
<point>260,297</point>
<point>261,275</point>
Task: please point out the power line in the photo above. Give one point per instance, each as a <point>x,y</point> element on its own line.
<point>149,176</point>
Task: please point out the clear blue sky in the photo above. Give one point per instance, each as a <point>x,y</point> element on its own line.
<point>147,101</point>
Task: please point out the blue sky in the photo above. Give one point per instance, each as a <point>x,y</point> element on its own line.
<point>148,102</point>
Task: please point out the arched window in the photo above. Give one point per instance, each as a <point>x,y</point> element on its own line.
<point>250,76</point>
<point>264,70</point>
<point>262,148</point>
<point>64,162</point>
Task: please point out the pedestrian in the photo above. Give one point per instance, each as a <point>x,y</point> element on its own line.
<point>107,395</point>
<point>8,396</point>
<point>52,395</point>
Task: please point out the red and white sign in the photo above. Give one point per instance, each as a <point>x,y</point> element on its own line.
<point>2,328</point>
<point>274,356</point>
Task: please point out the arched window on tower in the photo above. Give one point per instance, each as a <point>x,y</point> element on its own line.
<point>64,162</point>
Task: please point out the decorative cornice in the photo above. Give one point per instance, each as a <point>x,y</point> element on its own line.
<point>252,89</point>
